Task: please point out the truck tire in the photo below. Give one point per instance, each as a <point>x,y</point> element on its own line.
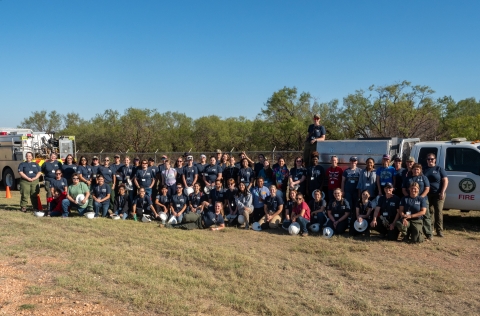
<point>8,179</point>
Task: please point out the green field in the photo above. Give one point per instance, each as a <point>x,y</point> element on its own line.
<point>137,268</point>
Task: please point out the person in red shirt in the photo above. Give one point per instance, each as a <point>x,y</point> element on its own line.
<point>334,176</point>
<point>301,214</point>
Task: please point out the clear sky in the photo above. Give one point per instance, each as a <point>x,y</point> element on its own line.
<point>226,57</point>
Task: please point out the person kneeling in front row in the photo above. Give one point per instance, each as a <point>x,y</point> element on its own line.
<point>273,208</point>
<point>142,204</point>
<point>338,212</point>
<point>412,209</point>
<point>386,214</point>
<point>211,218</point>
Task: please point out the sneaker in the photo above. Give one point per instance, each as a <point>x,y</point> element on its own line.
<point>440,234</point>
<point>429,238</point>
<point>161,226</point>
<point>24,209</point>
<point>304,235</point>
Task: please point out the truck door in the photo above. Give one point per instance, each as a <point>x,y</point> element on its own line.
<point>463,169</point>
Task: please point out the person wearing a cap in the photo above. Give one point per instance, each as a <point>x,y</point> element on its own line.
<point>436,196</point>
<point>178,205</point>
<point>136,166</point>
<point>368,178</point>
<point>416,175</point>
<point>190,173</point>
<point>145,178</point>
<point>259,165</point>
<point>95,164</point>
<point>338,212</point>
<point>116,168</point>
<point>298,176</point>
<point>212,172</point>
<point>127,178</point>
<point>315,176</point>
<point>201,169</point>
<point>411,211</point>
<point>231,172</point>
<point>272,208</point>
<point>161,165</point>
<point>386,214</point>
<point>154,170</point>
<point>350,179</point>
<point>110,178</point>
<point>406,172</point>
<point>334,176</point>
<point>400,174</point>
<point>218,158</point>
<point>316,133</point>
<point>385,174</point>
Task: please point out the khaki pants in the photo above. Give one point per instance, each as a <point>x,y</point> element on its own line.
<point>29,190</point>
<point>275,222</point>
<point>414,227</point>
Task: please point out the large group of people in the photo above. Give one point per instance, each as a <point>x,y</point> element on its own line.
<point>216,191</point>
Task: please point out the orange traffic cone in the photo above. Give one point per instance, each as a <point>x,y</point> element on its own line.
<point>39,203</point>
<point>9,195</point>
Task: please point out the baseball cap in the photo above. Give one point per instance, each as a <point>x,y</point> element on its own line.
<point>150,159</point>
<point>218,151</point>
<point>95,157</point>
<point>411,159</point>
<point>353,158</point>
<point>189,157</point>
<point>164,157</point>
<point>397,157</point>
<point>137,158</point>
<point>116,156</point>
<point>203,156</point>
<point>386,156</point>
<point>388,185</point>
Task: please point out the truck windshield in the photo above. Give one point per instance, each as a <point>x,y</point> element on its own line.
<point>462,159</point>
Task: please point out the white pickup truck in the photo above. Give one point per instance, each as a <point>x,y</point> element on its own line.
<point>461,160</point>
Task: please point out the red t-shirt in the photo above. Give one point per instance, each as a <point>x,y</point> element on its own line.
<point>334,176</point>
<point>297,209</point>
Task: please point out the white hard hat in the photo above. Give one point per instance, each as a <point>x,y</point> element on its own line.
<point>327,232</point>
<point>90,215</point>
<point>115,217</point>
<point>39,214</point>
<point>321,193</point>
<point>256,226</point>
<point>294,228</point>
<point>172,220</point>
<point>163,216</point>
<point>187,191</point>
<point>360,227</point>
<point>79,198</point>
<point>315,228</point>
<point>146,218</point>
<point>241,219</point>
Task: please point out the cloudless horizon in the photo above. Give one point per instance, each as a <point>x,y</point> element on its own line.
<point>226,58</point>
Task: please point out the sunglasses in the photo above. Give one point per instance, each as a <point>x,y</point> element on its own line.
<point>430,159</point>
<point>106,159</point>
<point>74,178</point>
<point>59,173</point>
<point>299,199</point>
<point>179,188</point>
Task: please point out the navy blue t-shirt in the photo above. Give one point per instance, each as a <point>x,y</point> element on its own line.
<point>338,208</point>
<point>413,205</point>
<point>421,180</point>
<point>49,168</point>
<point>142,203</point>
<point>107,174</point>
<point>30,169</point>
<point>101,191</point>
<point>246,176</point>
<point>59,184</point>
<point>217,195</point>
<point>69,170</point>
<point>189,173</point>
<point>435,175</point>
<point>85,171</point>
<point>388,207</point>
<point>212,172</point>
<point>273,202</point>
<point>315,131</point>
<point>144,177</point>
<point>211,219</point>
<point>178,202</point>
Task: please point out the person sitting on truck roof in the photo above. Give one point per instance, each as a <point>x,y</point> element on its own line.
<point>417,176</point>
<point>411,211</point>
<point>315,176</point>
<point>385,174</point>
<point>69,168</point>
<point>29,185</point>
<point>334,176</point>
<point>338,212</point>
<point>386,214</point>
<point>316,133</point>
<point>368,178</point>
<point>436,196</point>
<point>298,175</point>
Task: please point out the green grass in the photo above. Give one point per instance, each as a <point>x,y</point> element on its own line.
<point>26,307</point>
<point>235,272</point>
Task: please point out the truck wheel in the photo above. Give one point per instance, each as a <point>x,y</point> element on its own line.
<point>8,179</point>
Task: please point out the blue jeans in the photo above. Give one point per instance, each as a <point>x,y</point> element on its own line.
<point>320,218</point>
<point>178,218</point>
<point>303,222</point>
<point>104,205</point>
<point>148,191</point>
<point>66,203</point>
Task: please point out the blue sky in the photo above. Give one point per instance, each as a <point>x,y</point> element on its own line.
<point>225,57</point>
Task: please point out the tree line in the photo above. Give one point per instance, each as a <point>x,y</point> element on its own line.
<point>401,110</point>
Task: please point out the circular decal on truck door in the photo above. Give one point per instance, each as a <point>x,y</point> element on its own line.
<point>467,185</point>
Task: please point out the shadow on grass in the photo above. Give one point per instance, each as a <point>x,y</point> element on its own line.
<point>461,223</point>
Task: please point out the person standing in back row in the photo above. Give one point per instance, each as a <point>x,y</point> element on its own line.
<point>334,176</point>
<point>316,133</point>
<point>436,196</point>
<point>29,187</point>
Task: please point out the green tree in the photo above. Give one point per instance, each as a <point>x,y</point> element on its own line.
<point>41,121</point>
<point>462,119</point>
